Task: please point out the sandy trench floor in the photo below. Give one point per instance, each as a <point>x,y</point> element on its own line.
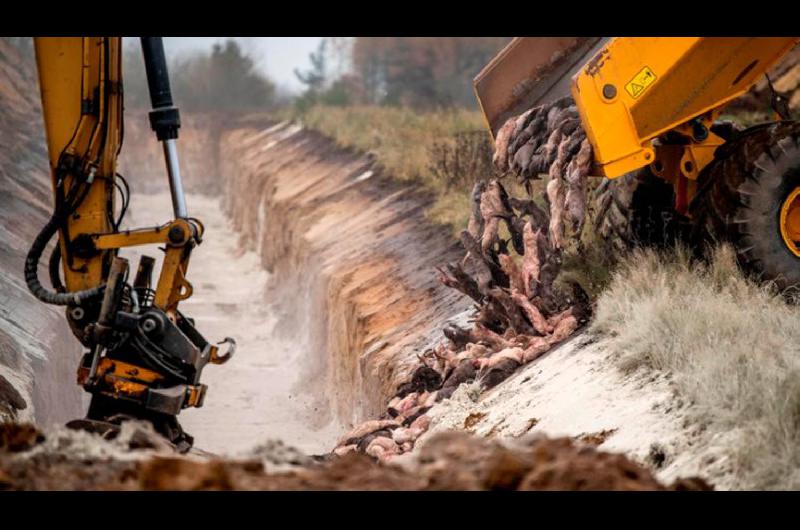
<point>257,395</point>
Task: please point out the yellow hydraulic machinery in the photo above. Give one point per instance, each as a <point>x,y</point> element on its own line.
<point>650,106</point>
<point>144,357</point>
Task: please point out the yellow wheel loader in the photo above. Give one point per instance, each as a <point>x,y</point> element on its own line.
<point>650,108</point>
<point>144,357</point>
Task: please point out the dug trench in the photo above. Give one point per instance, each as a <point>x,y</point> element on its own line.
<point>325,267</point>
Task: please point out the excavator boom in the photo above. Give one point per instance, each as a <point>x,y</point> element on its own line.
<point>639,88</point>
<point>628,90</point>
<point>145,357</point>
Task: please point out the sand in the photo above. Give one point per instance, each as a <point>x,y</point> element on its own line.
<point>257,396</point>
<point>577,391</point>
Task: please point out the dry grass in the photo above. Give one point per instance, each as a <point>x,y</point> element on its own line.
<point>733,348</point>
<point>401,139</point>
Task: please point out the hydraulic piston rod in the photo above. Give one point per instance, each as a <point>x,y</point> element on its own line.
<point>164,118</point>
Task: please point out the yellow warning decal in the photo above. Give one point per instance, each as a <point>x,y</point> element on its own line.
<point>640,82</point>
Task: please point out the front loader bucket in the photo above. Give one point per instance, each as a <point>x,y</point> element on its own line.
<point>530,71</point>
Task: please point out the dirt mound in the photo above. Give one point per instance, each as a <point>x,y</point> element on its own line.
<point>15,437</point>
<point>455,460</point>
<point>29,460</point>
<point>448,461</point>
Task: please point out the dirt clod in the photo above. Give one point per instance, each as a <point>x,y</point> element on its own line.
<point>181,474</point>
<point>448,461</point>
<point>455,460</point>
<point>596,438</point>
<point>17,437</point>
<point>473,419</point>
<point>10,399</point>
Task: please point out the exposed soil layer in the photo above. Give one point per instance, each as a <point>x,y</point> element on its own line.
<point>450,461</point>
<point>38,354</point>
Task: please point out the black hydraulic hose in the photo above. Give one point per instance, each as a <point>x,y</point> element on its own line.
<point>35,254</point>
<point>54,269</point>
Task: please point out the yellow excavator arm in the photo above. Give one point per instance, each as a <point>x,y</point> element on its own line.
<point>632,90</point>
<point>80,80</point>
<point>145,357</point>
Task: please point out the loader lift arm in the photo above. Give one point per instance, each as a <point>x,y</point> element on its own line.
<point>145,357</point>
<point>649,108</point>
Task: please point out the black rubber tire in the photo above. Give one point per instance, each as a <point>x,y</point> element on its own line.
<point>637,209</point>
<point>740,196</point>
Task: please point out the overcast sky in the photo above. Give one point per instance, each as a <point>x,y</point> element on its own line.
<point>277,56</point>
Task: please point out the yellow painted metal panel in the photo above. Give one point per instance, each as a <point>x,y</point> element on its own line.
<point>80,82</point>
<point>637,88</point>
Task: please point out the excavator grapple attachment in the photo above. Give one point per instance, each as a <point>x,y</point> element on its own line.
<point>145,357</point>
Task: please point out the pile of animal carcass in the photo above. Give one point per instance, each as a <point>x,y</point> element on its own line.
<point>519,314</point>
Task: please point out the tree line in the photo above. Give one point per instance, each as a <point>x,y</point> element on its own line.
<point>223,79</point>
<point>423,72</point>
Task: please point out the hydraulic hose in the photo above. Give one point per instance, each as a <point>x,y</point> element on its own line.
<point>32,266</point>
<point>55,273</point>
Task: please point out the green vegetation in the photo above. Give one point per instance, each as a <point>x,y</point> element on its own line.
<point>409,101</point>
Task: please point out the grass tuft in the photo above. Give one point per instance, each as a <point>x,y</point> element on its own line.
<point>733,348</point>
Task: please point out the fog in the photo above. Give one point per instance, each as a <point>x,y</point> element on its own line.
<point>277,57</point>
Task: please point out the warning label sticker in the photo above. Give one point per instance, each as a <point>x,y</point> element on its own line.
<point>640,82</point>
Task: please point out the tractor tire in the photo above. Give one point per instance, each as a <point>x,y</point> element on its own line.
<point>636,209</point>
<point>739,200</point>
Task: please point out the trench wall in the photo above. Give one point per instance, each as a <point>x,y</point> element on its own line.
<point>349,250</point>
<point>351,253</point>
<point>38,354</point>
